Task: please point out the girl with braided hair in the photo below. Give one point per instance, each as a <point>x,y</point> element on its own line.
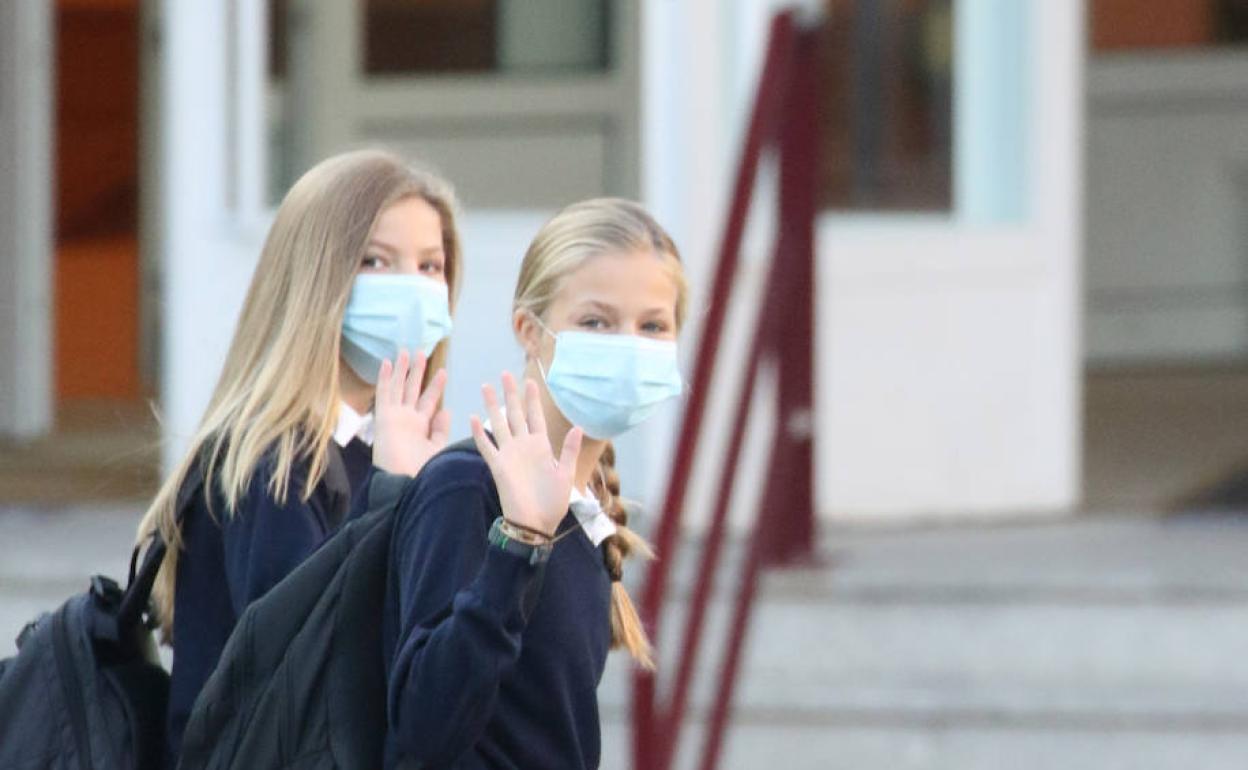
<point>505,590</point>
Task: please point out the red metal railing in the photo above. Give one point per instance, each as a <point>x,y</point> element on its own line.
<point>784,118</point>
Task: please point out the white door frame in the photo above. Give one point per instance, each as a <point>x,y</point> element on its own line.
<point>27,93</point>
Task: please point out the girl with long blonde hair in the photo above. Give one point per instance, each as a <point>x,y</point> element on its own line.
<point>335,372</point>
<point>505,590</point>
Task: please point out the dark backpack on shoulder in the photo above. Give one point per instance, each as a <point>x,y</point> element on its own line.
<point>301,683</point>
<point>86,690</point>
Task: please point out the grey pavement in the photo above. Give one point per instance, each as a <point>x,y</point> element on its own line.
<point>1092,642</point>
<point>48,554</point>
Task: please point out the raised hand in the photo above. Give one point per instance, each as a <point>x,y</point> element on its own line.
<point>410,428</point>
<point>533,486</point>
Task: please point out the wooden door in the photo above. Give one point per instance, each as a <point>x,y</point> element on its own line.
<point>96,216</point>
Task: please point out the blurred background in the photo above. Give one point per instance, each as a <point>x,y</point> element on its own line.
<point>1031,348</point>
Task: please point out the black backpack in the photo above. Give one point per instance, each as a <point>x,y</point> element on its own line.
<point>301,682</point>
<point>86,690</point>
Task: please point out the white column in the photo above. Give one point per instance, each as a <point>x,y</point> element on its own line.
<point>26,243</point>
<point>209,245</point>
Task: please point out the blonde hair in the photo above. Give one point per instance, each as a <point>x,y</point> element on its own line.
<point>279,388</point>
<point>575,235</point>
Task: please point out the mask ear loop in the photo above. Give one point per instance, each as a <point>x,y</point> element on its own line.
<point>546,329</point>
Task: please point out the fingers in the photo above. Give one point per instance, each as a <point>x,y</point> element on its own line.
<point>498,425</point>
<point>484,445</point>
<point>398,377</point>
<point>515,408</point>
<point>415,376</point>
<point>533,408</point>
<point>440,428</point>
<point>383,380</point>
<point>428,402</point>
<point>571,448</point>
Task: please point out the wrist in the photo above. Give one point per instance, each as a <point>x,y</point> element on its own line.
<point>527,544</point>
<point>532,524</point>
<point>399,465</point>
<point>526,533</point>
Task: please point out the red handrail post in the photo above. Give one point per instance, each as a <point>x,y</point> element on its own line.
<point>784,530</point>
<point>654,729</point>
<point>791,530</point>
<point>784,116</point>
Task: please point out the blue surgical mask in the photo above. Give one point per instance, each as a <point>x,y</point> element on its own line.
<point>608,383</point>
<point>390,312</point>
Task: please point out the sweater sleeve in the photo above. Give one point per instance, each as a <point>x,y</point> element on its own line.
<point>460,615</point>
<point>265,539</point>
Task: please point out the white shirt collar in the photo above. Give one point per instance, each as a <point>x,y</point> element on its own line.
<point>352,424</point>
<point>588,511</point>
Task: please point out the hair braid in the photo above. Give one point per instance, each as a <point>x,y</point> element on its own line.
<point>626,628</point>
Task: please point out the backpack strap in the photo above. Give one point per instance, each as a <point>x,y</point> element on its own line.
<point>139,587</point>
<point>337,485</point>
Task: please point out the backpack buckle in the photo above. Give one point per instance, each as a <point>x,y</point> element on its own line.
<point>105,590</point>
<point>151,621</point>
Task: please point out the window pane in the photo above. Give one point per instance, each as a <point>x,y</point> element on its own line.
<point>485,36</point>
<point>887,99</point>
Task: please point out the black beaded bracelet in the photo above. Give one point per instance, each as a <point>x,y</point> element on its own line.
<point>524,530</point>
<point>535,554</point>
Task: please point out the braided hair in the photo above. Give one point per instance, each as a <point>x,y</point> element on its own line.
<point>626,629</point>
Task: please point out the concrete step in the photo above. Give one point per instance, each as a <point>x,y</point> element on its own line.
<point>815,745</point>
<point>1107,642</point>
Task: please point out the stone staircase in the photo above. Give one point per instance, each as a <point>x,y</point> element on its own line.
<point>1098,642</point>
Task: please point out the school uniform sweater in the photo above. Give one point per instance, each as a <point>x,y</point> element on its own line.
<point>491,662</point>
<point>229,561</point>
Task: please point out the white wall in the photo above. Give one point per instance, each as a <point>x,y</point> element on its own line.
<point>1167,197</point>
<point>946,383</point>
<point>26,246</point>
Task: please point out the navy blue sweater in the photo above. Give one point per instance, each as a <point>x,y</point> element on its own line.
<point>492,662</point>
<point>229,561</point>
